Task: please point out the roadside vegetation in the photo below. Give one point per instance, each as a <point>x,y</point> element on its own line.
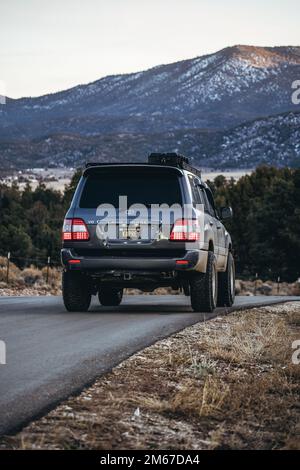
<point>228,383</point>
<point>32,280</point>
<point>266,224</point>
<point>265,228</point>
<point>29,280</point>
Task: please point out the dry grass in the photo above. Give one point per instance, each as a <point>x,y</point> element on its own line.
<point>29,281</point>
<point>250,339</point>
<point>226,383</point>
<point>32,281</point>
<point>259,287</point>
<point>205,400</point>
<point>294,318</point>
<point>14,270</point>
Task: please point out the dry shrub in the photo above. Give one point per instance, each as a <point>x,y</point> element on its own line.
<point>152,403</point>
<point>232,396</point>
<point>14,272</point>
<point>180,357</point>
<point>31,275</point>
<point>294,317</point>
<point>295,288</point>
<point>54,277</point>
<point>269,287</point>
<point>215,393</point>
<point>204,400</point>
<point>202,365</point>
<point>157,291</point>
<point>293,372</point>
<point>250,339</point>
<point>260,393</point>
<point>292,442</point>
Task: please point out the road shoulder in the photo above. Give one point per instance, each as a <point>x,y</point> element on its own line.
<point>226,383</point>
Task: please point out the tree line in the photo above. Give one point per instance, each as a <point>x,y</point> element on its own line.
<point>265,228</point>
<point>266,221</point>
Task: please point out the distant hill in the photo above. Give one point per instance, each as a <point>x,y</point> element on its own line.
<point>228,109</point>
<point>273,140</point>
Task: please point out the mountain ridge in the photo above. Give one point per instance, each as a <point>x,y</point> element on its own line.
<point>214,94</point>
<point>234,49</point>
<point>271,140</point>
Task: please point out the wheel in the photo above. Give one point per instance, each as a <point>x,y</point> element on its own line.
<point>204,287</point>
<point>109,297</point>
<point>226,284</point>
<point>76,294</point>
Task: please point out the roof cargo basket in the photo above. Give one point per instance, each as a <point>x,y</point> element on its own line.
<point>172,159</point>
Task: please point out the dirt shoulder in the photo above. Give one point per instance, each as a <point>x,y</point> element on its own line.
<point>228,383</point>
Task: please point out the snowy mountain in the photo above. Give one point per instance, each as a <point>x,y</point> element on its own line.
<point>273,140</point>
<point>207,106</point>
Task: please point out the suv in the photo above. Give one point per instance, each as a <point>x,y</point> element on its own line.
<point>140,240</point>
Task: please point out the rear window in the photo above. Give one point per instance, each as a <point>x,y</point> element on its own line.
<point>145,187</point>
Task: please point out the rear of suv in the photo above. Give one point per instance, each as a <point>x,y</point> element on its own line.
<point>146,225</point>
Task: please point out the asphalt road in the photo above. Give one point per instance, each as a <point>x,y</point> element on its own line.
<point>52,354</point>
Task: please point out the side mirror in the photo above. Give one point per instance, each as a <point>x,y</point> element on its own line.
<point>226,213</point>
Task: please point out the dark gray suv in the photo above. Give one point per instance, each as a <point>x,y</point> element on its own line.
<point>146,225</point>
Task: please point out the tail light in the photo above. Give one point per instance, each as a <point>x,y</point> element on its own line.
<point>75,230</point>
<point>185,230</point>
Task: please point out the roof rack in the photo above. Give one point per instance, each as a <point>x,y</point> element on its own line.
<point>173,159</point>
<point>169,159</point>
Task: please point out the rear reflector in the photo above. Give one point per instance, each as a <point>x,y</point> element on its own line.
<point>182,262</point>
<point>75,229</point>
<point>185,230</point>
<point>74,261</point>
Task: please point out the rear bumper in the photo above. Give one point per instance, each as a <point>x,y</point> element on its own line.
<point>193,260</point>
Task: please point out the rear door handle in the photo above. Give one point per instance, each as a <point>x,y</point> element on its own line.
<point>219,226</point>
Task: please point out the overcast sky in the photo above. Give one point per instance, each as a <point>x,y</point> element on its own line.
<point>50,45</point>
